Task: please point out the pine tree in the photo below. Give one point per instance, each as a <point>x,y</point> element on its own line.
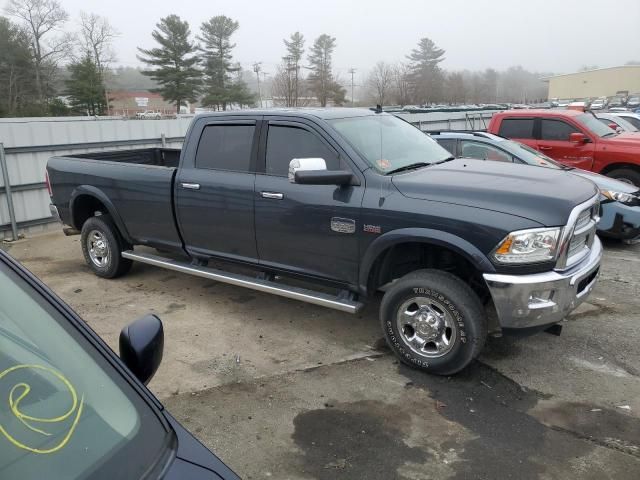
<point>321,80</point>
<point>219,86</point>
<point>85,86</point>
<point>18,92</point>
<point>426,77</point>
<point>175,62</point>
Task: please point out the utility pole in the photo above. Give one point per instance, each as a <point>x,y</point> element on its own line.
<point>266,94</point>
<point>257,68</point>
<point>352,71</point>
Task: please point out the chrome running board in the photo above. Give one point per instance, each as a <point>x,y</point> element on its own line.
<point>296,293</point>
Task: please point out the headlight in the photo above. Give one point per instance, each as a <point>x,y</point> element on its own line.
<point>528,246</point>
<point>628,198</point>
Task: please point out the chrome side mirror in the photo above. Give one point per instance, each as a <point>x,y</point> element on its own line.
<point>305,165</point>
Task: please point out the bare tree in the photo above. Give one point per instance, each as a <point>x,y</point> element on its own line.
<point>380,81</point>
<point>96,37</point>
<point>41,18</point>
<point>402,84</point>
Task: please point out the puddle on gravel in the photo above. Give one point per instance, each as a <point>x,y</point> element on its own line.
<point>363,439</point>
<point>509,442</point>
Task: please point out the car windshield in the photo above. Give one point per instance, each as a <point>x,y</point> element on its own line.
<point>595,126</point>
<point>65,411</point>
<point>530,156</point>
<point>388,143</point>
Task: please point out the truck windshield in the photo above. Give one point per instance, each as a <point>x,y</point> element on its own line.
<point>65,411</point>
<point>595,126</point>
<point>388,143</point>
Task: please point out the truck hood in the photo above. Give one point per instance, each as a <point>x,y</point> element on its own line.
<point>543,195</point>
<point>624,139</point>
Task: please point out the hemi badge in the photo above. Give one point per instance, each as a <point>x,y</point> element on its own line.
<point>372,228</point>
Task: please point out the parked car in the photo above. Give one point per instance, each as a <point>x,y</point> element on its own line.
<point>149,115</point>
<point>350,199</point>
<point>75,410</point>
<point>616,102</point>
<point>630,117</point>
<point>633,101</point>
<point>616,122</point>
<point>620,202</point>
<point>574,138</point>
<point>598,104</point>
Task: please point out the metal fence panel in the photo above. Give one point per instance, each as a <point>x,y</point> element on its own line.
<point>29,143</point>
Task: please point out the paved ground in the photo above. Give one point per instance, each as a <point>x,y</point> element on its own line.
<point>281,389</point>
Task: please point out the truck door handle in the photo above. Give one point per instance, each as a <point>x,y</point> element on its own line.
<point>190,186</point>
<point>545,148</point>
<point>273,195</point>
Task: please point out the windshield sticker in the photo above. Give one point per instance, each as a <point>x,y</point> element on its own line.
<point>383,164</point>
<point>21,390</point>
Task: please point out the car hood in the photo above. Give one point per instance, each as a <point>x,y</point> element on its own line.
<point>543,195</point>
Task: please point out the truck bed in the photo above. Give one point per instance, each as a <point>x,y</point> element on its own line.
<point>136,187</point>
<point>161,157</point>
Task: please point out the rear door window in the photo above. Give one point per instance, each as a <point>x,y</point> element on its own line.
<point>517,128</point>
<point>556,130</point>
<point>226,147</point>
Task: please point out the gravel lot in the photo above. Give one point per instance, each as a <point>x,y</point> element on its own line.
<point>282,389</point>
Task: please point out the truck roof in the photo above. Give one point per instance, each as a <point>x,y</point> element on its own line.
<point>540,113</point>
<point>323,113</point>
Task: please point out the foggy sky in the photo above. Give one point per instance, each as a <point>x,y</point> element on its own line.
<point>546,36</point>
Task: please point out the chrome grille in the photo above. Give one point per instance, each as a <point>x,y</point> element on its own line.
<point>582,233</point>
<point>583,219</point>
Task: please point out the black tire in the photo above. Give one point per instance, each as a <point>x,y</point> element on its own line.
<point>627,175</point>
<point>465,320</point>
<point>114,265</point>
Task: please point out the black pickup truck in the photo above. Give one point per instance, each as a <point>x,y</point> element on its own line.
<point>330,206</point>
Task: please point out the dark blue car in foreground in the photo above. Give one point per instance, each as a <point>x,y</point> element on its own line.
<point>620,201</point>
<point>71,409</point>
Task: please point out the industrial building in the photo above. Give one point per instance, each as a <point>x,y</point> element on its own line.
<point>602,82</point>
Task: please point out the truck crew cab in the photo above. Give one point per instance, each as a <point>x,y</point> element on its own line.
<point>352,202</point>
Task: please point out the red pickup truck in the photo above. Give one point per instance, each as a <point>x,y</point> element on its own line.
<point>575,138</point>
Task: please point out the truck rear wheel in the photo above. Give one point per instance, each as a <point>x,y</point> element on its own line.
<point>432,320</point>
<point>626,175</point>
<point>102,246</point>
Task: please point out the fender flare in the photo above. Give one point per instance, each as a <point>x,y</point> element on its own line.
<point>98,194</point>
<point>421,235</point>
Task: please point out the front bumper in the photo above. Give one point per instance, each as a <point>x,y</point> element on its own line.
<point>525,301</point>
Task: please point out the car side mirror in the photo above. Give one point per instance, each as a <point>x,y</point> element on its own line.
<point>313,171</point>
<point>577,137</point>
<point>305,165</point>
<point>141,346</point>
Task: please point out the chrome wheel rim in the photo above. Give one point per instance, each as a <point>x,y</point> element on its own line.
<point>98,248</point>
<point>426,327</point>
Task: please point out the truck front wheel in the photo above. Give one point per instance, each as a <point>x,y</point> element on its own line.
<point>432,320</point>
<point>102,246</point>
